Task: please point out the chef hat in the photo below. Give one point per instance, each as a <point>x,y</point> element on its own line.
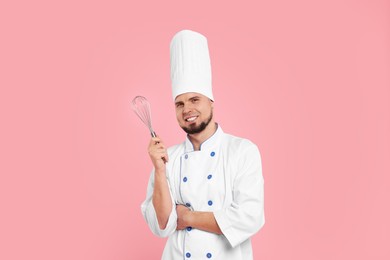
<point>190,64</point>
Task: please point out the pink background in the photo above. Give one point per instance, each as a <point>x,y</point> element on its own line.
<point>307,81</point>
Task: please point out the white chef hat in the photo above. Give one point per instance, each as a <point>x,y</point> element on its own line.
<point>190,64</point>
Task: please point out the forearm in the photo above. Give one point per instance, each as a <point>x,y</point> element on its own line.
<point>204,221</point>
<point>161,199</point>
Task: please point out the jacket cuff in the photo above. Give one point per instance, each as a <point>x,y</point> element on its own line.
<point>171,224</point>
<point>226,227</point>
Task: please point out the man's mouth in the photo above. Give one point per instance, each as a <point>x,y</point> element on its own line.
<point>191,119</point>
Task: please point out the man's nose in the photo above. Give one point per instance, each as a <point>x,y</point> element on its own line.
<point>187,108</point>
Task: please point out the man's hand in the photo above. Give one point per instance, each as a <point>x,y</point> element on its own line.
<point>161,197</point>
<point>183,214</point>
<point>196,219</point>
<point>158,153</point>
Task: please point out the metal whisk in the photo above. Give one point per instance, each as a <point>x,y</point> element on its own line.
<point>141,107</point>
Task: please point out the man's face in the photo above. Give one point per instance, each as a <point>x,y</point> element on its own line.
<point>194,112</point>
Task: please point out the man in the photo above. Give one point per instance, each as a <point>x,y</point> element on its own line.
<point>206,193</point>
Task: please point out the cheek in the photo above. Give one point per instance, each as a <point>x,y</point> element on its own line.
<point>178,115</point>
<point>206,111</point>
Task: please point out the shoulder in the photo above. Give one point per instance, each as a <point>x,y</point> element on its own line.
<point>243,155</point>
<point>238,143</point>
<point>241,150</point>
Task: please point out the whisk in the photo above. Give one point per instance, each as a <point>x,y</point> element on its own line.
<point>141,107</point>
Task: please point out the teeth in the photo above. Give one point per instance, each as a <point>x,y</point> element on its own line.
<point>191,119</point>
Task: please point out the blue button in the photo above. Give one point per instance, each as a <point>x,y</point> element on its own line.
<point>185,179</point>
<point>188,255</point>
<point>212,154</point>
<point>186,156</point>
<point>209,255</point>
<point>189,228</point>
<point>210,176</point>
<point>188,204</point>
<point>210,202</point>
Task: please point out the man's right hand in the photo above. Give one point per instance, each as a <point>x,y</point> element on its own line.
<point>161,199</point>
<point>158,153</point>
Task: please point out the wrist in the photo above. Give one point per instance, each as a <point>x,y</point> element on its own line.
<point>188,218</point>
<point>160,171</point>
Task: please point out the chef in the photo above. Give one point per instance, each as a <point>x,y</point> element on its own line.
<point>206,194</point>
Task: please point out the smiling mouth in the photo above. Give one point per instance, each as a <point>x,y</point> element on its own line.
<point>191,119</point>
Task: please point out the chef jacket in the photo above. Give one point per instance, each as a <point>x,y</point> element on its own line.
<point>224,177</point>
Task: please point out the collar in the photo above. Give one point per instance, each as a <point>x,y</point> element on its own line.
<point>212,141</point>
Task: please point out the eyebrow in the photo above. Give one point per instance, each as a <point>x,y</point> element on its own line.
<point>190,99</point>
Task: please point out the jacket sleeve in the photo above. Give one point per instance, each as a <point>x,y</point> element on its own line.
<point>149,212</point>
<point>245,216</point>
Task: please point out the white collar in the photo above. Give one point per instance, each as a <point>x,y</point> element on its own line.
<point>211,142</point>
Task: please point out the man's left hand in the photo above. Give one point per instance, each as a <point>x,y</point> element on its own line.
<point>183,214</point>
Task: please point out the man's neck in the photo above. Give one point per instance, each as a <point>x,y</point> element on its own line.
<point>198,139</point>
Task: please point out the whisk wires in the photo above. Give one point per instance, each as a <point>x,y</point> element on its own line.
<point>141,107</point>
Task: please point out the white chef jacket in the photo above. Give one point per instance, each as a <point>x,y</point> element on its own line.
<point>224,177</point>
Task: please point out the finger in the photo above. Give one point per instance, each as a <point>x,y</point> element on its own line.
<point>156,148</point>
<point>155,140</point>
<point>159,154</point>
<point>160,140</point>
<point>165,157</point>
<point>160,151</point>
<point>159,146</point>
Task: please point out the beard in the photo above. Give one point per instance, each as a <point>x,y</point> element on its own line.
<point>194,129</point>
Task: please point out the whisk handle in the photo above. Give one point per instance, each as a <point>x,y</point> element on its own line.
<point>154,135</point>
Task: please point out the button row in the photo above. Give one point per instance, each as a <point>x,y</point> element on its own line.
<point>185,179</point>
<point>210,203</point>
<point>212,154</point>
<point>208,255</point>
